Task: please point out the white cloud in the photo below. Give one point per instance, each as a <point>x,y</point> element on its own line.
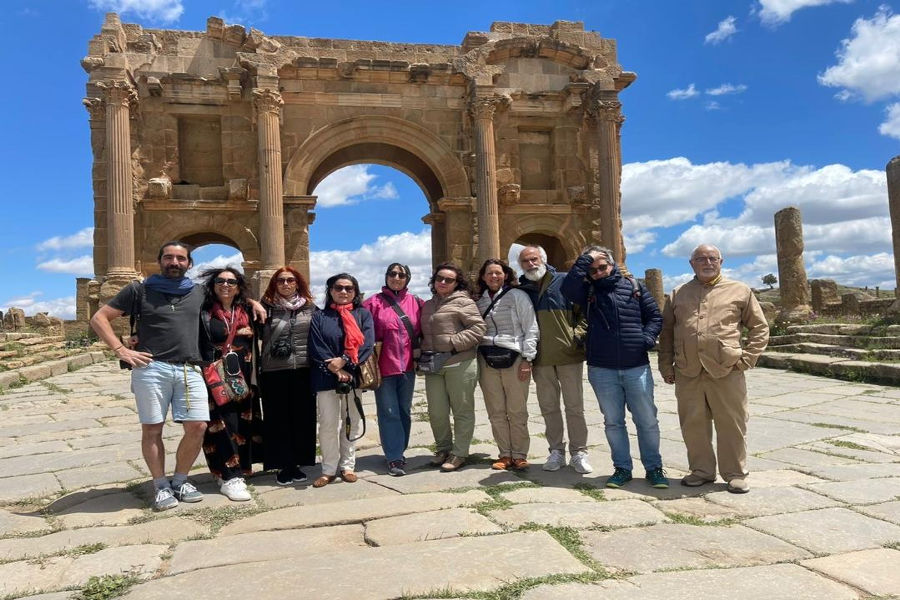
<point>857,270</point>
<point>891,125</point>
<point>82,239</point>
<point>164,11</point>
<point>83,265</point>
<point>725,30</point>
<point>369,262</point>
<point>64,308</point>
<point>684,94</point>
<point>217,262</point>
<point>727,88</point>
<point>351,185</point>
<point>712,105</point>
<point>776,12</point>
<point>869,61</point>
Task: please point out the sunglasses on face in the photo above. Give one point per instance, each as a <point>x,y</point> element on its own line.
<point>223,281</point>
<point>600,269</point>
<point>440,279</point>
<point>286,280</point>
<point>397,274</point>
<point>342,288</point>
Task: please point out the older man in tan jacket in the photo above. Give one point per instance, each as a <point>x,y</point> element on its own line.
<point>700,351</point>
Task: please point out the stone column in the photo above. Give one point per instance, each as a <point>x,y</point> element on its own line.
<point>893,183</point>
<point>482,110</point>
<point>606,114</point>
<point>793,286</point>
<point>654,281</point>
<point>268,105</point>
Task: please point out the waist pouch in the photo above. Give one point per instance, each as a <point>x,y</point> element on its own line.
<point>497,357</point>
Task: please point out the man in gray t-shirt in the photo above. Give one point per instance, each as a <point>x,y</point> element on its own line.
<point>165,370</point>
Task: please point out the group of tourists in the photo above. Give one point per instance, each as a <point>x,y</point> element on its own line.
<point>303,366</point>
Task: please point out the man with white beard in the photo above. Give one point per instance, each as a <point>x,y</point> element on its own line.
<point>559,366</point>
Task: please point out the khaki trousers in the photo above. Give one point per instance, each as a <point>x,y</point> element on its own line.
<point>549,382</point>
<point>704,401</point>
<point>452,390</point>
<point>506,398</point>
<point>338,453</point>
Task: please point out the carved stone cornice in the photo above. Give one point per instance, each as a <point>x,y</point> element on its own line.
<point>604,110</point>
<point>267,101</point>
<point>485,107</point>
<point>118,92</point>
<point>96,108</point>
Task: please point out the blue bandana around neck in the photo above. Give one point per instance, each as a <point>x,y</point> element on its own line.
<point>171,287</point>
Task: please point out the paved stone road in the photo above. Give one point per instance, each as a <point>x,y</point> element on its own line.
<point>822,520</point>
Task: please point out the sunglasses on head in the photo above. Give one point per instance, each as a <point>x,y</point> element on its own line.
<point>343,288</point>
<point>286,280</point>
<point>397,274</point>
<point>440,279</point>
<point>223,281</point>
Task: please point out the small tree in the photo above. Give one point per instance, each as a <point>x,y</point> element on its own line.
<point>770,280</point>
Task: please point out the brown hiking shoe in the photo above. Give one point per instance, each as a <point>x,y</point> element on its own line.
<point>453,463</point>
<point>519,464</point>
<point>692,480</point>
<point>439,458</point>
<point>503,463</point>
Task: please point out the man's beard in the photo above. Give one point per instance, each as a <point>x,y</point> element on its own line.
<point>174,272</point>
<point>536,274</point>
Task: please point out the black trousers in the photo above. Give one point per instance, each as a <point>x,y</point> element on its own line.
<point>289,418</point>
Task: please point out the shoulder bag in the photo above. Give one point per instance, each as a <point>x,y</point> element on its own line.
<point>497,357</point>
<point>224,376</point>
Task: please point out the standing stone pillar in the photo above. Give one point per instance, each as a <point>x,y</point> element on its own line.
<point>654,281</point>
<point>118,97</point>
<point>268,105</point>
<point>793,286</point>
<point>893,183</point>
<point>606,114</point>
<point>486,178</point>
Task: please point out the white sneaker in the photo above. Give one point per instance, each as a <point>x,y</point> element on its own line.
<point>235,489</point>
<point>580,462</point>
<point>555,461</point>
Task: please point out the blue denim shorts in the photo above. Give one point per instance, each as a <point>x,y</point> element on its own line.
<point>160,384</point>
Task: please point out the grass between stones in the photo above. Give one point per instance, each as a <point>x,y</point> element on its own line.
<point>591,491</point>
<point>514,590</point>
<point>842,427</point>
<point>219,517</point>
<point>106,586</point>
<point>683,519</point>
<point>850,445</point>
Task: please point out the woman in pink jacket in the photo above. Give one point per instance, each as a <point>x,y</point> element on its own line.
<point>396,314</point>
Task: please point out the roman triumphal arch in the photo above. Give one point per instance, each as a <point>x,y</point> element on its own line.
<point>221,136</point>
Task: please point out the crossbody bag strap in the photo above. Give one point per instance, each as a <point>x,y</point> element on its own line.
<point>404,318</point>
<point>494,301</point>
<point>277,331</point>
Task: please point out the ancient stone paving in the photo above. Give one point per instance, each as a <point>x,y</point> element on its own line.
<point>822,519</point>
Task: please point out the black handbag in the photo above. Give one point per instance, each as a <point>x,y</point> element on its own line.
<point>497,357</point>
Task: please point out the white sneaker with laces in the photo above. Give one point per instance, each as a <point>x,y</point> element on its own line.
<point>555,461</point>
<point>580,462</point>
<point>235,489</point>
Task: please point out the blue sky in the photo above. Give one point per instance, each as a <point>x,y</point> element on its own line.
<point>740,109</point>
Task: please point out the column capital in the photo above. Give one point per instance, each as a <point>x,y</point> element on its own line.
<point>267,101</point>
<point>486,106</point>
<point>118,92</point>
<point>604,110</point>
<point>96,108</point>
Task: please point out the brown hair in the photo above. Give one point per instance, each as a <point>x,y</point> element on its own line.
<point>271,292</point>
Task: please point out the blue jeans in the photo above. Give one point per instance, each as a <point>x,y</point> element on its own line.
<point>394,401</point>
<point>632,388</point>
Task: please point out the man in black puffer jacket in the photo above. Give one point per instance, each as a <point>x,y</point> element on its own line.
<point>623,323</point>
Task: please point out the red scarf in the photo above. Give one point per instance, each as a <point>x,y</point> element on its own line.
<point>236,318</point>
<point>353,337</point>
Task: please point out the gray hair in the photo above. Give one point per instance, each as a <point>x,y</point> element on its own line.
<point>540,250</point>
<point>603,251</point>
<point>710,246</point>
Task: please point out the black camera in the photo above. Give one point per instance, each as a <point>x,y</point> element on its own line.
<point>282,348</point>
<point>343,388</point>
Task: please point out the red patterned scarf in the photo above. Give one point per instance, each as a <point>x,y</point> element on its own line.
<point>353,337</point>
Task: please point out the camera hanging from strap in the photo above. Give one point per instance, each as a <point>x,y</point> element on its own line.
<point>362,417</point>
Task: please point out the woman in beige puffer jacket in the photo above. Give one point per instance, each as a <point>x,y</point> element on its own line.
<point>451,323</point>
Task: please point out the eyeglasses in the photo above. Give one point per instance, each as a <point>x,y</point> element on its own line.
<point>439,279</point>
<point>223,281</point>
<point>397,274</point>
<point>706,259</point>
<point>598,269</point>
<point>343,288</point>
<point>286,280</point>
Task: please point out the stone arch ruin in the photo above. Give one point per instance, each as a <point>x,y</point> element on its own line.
<point>221,136</point>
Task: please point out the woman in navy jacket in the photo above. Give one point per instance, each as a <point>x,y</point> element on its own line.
<point>341,337</point>
<point>623,323</point>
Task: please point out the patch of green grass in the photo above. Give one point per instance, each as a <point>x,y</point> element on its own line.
<point>850,445</point>
<point>683,519</point>
<point>55,388</point>
<point>420,416</point>
<point>217,518</point>
<point>106,586</point>
<point>513,590</point>
<point>841,427</point>
<point>591,491</point>
<point>495,503</point>
<point>85,549</point>
<point>892,545</point>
